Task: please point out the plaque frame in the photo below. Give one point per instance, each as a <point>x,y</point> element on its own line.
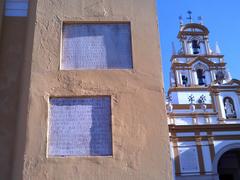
<point>90,22</point>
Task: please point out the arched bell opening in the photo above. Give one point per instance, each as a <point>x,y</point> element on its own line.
<point>201,77</point>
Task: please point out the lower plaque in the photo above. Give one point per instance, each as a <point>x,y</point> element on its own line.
<point>80,127</point>
<point>189,159</point>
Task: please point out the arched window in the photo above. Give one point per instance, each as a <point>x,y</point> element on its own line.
<point>201,77</point>
<point>195,46</point>
<point>229,108</point>
<point>184,80</point>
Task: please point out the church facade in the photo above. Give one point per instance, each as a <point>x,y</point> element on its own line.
<point>203,110</point>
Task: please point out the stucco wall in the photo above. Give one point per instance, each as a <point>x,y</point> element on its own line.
<point>139,123</point>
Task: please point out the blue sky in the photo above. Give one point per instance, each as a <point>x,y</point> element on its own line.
<point>221,17</point>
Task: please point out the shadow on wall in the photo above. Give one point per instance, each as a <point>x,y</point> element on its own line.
<point>101,129</point>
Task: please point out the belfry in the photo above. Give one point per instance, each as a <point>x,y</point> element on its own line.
<point>203,109</point>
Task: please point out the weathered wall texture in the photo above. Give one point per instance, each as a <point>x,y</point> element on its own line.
<point>139,125</point>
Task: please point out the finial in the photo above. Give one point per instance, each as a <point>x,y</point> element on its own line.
<point>191,99</point>
<point>169,99</point>
<point>202,99</point>
<point>200,18</point>
<point>181,20</point>
<point>217,48</point>
<point>190,16</point>
<point>202,102</point>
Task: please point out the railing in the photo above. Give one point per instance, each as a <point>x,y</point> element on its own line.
<point>16,8</point>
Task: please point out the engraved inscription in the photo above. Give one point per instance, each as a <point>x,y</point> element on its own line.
<point>80,127</point>
<point>96,46</point>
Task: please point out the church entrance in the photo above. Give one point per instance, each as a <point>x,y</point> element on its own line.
<point>229,165</point>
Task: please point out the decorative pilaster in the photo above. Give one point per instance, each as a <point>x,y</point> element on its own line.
<point>176,154</point>
<point>190,78</point>
<point>218,104</point>
<point>177,78</point>
<point>180,78</point>
<point>185,47</point>
<point>207,119</point>
<point>194,120</point>
<point>238,94</point>
<point>211,146</point>
<point>200,155</point>
<point>194,75</point>
<point>212,72</point>
<point>207,45</point>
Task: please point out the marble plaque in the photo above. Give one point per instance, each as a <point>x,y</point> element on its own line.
<point>80,127</point>
<point>188,159</point>
<point>96,46</point>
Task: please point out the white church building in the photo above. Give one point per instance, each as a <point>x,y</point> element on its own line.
<point>203,110</point>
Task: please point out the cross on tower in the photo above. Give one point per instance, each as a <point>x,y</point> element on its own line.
<point>181,20</point>
<point>200,18</point>
<point>190,16</point>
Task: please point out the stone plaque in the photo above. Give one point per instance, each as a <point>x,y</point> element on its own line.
<point>96,46</point>
<point>80,127</point>
<point>188,159</point>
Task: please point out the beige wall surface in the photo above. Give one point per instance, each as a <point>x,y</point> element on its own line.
<point>139,123</point>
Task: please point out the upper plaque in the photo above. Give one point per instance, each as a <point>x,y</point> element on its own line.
<point>96,46</point>
<point>80,127</point>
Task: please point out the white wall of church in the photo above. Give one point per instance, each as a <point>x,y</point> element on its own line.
<point>188,156</point>
<point>201,120</point>
<point>182,97</point>
<point>218,145</point>
<point>213,119</point>
<point>188,110</point>
<point>217,133</point>
<point>185,134</point>
<point>183,121</point>
<point>172,160</point>
<point>206,156</point>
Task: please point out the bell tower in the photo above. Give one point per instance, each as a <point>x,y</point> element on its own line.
<point>203,103</point>
<point>195,63</point>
